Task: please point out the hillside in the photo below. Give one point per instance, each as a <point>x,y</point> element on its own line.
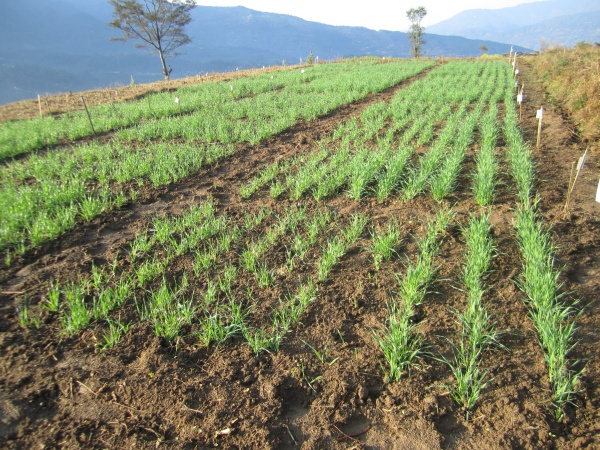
<point>572,82</point>
<point>561,22</point>
<point>64,45</point>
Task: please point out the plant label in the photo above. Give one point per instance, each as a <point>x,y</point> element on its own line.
<point>520,98</point>
<point>539,114</point>
<point>582,161</point>
<point>302,71</point>
<point>516,71</point>
<point>177,100</point>
<point>598,193</point>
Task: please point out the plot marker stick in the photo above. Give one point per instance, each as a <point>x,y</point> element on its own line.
<point>89,115</point>
<point>539,115</point>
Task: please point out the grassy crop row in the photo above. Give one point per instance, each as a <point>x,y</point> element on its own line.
<point>373,154</point>
<point>257,95</point>
<point>400,342</point>
<point>477,328</point>
<point>46,194</point>
<point>551,316</point>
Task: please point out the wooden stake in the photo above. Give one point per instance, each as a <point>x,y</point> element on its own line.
<point>539,116</point>
<point>572,180</point>
<point>520,99</point>
<point>520,111</point>
<point>569,190</point>
<point>40,104</point>
<point>89,116</point>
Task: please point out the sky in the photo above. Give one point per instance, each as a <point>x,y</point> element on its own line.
<point>374,14</point>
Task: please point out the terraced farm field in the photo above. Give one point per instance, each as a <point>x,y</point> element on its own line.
<point>362,254</point>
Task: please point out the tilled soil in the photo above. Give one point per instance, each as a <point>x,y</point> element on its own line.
<point>58,391</point>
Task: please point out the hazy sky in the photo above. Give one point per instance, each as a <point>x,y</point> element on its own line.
<point>374,14</point>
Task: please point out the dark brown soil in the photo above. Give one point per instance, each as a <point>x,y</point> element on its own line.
<point>61,392</point>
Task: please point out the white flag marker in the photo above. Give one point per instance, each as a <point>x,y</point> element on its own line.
<point>582,161</point>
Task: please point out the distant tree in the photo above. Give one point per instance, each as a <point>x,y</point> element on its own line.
<point>483,48</point>
<point>155,24</point>
<point>415,32</point>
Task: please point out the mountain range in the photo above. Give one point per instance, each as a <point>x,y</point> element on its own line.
<point>64,45</point>
<point>532,25</point>
<point>51,46</point>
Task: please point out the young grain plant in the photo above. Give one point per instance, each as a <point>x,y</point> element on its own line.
<point>338,245</point>
<point>484,178</point>
<point>551,317</point>
<point>384,243</point>
<point>400,342</point>
<point>540,279</point>
<point>477,329</point>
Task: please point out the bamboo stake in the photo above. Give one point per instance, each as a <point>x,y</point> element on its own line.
<point>40,104</point>
<point>539,116</point>
<point>89,115</point>
<point>580,165</point>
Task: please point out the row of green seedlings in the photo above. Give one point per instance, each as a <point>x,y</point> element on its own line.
<point>400,342</point>
<point>167,321</point>
<point>553,319</point>
<point>255,118</point>
<point>45,195</point>
<point>149,255</point>
<point>338,245</point>
<point>324,175</point>
<point>289,310</point>
<point>79,302</point>
<point>440,171</point>
<point>477,332</point>
<point>230,317</point>
<point>254,251</point>
<point>40,211</point>
<point>485,176</point>
<point>171,308</point>
<point>299,184</point>
<point>25,135</point>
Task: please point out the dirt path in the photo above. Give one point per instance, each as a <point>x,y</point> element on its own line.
<point>60,392</point>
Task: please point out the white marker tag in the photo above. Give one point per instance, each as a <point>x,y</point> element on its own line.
<point>582,161</point>
<point>539,114</point>
<point>176,99</point>
<point>516,71</point>
<point>598,193</point>
<point>302,71</point>
<point>520,98</point>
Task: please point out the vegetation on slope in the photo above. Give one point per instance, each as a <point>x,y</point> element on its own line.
<point>571,78</point>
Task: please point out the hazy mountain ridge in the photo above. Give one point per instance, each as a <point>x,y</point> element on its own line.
<point>64,45</point>
<point>562,22</point>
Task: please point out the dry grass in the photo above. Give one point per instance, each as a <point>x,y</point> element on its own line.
<point>572,79</point>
